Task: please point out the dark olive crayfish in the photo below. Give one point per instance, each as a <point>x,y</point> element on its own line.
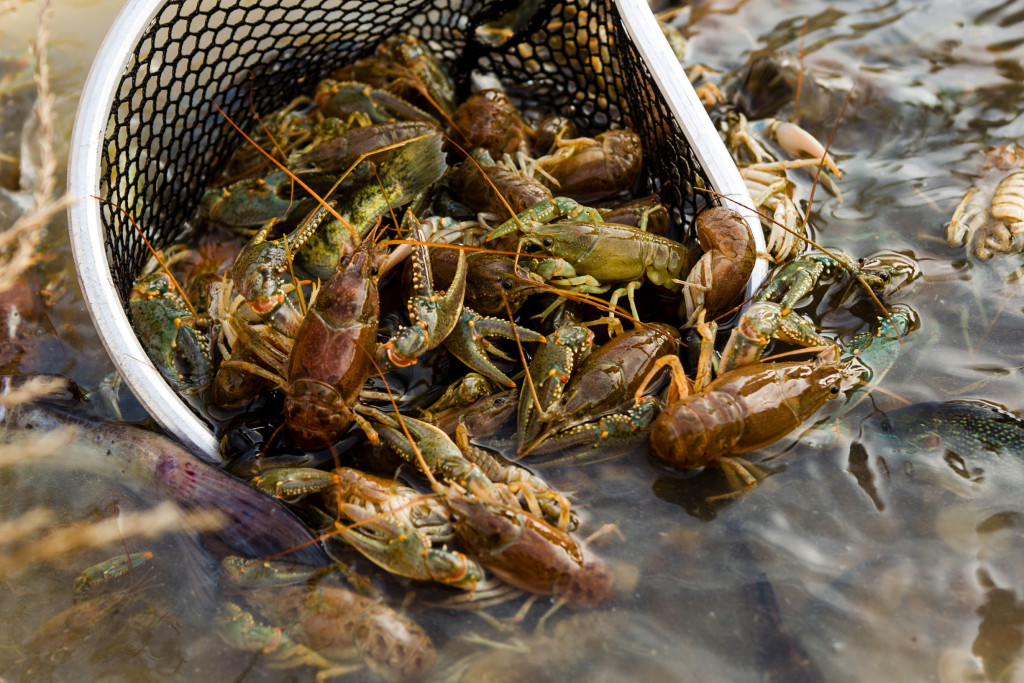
<point>583,407</point>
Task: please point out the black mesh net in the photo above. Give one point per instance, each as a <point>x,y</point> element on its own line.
<point>165,140</point>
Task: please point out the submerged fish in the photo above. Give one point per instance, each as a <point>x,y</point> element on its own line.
<point>970,440</point>
<point>962,427</point>
<point>256,525</point>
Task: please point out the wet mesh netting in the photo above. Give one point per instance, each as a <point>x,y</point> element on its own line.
<point>165,141</point>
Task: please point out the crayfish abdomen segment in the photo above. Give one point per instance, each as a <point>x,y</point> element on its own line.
<point>698,429</point>
<point>340,357</point>
<point>530,554</point>
<point>316,414</point>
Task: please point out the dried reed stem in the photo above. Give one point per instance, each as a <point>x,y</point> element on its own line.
<point>9,6</point>
<point>19,243</point>
<point>25,526</point>
<point>25,451</point>
<point>44,111</point>
<point>31,389</point>
<point>57,543</point>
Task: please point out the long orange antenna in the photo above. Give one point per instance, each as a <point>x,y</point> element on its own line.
<point>155,252</point>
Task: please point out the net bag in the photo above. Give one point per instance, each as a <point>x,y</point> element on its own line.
<point>149,138</point>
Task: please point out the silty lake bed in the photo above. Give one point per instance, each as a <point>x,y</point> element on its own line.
<point>860,558</point>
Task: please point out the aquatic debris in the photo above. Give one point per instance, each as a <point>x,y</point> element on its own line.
<point>330,628</point>
<point>23,546</point>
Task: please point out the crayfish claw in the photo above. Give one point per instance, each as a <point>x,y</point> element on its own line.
<point>433,315</point>
<point>468,342</point>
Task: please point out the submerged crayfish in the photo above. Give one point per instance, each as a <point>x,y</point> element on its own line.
<point>391,524</point>
<point>317,623</point>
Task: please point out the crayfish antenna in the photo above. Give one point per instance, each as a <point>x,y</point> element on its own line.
<point>156,253</point>
<point>405,430</point>
<point>822,162</point>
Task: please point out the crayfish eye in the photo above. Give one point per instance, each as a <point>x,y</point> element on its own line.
<point>548,242</point>
<point>507,283</point>
<point>374,270</point>
<point>833,390</point>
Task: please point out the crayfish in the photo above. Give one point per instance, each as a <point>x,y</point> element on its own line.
<point>743,410</point>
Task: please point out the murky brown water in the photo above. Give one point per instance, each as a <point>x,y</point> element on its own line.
<point>853,561</point>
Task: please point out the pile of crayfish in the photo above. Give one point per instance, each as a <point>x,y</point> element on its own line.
<point>378,225</point>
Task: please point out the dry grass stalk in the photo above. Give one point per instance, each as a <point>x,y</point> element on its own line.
<point>25,526</point>
<point>56,544</point>
<point>47,180</point>
<point>19,243</point>
<point>10,6</point>
<point>31,389</point>
<point>26,451</point>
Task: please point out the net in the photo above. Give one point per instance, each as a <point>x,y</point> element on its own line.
<point>165,141</point>
<point>149,139</point>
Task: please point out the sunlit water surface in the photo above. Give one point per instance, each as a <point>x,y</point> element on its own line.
<point>854,561</point>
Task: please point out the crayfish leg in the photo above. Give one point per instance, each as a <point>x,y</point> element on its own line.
<point>609,528</point>
<point>337,672</point>
<point>741,475</point>
<point>705,361</point>
<point>519,617</point>
<point>628,291</point>
<point>367,428</point>
<point>254,369</point>
<point>542,622</point>
<point>615,327</point>
<point>680,383</point>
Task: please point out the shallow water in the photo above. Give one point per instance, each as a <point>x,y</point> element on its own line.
<point>853,561</point>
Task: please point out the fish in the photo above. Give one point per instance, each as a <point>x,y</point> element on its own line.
<point>981,444</point>
<point>157,468</point>
<point>963,427</point>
